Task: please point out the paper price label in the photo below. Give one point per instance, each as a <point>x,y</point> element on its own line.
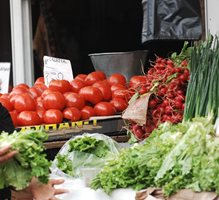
<point>4,77</point>
<point>57,68</point>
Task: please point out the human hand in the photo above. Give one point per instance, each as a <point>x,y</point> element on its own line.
<point>6,154</point>
<point>46,191</point>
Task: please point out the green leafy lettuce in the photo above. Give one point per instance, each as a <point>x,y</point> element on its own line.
<point>91,145</point>
<point>64,164</point>
<point>86,151</point>
<point>174,157</point>
<point>136,167</point>
<point>30,161</point>
<point>193,162</point>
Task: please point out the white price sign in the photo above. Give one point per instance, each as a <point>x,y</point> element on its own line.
<point>4,76</point>
<point>57,68</point>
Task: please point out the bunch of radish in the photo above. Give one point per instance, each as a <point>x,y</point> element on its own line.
<point>167,83</point>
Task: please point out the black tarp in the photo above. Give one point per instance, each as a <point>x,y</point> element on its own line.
<point>171,20</point>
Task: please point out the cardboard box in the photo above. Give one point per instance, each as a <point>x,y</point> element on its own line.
<point>185,194</point>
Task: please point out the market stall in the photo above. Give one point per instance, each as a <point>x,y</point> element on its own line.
<point>169,112</point>
<point>113,136</point>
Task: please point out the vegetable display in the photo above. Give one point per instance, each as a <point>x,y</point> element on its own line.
<point>95,94</point>
<point>173,157</point>
<point>86,96</point>
<point>30,161</point>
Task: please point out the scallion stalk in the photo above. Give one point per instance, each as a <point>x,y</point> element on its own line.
<point>202,97</point>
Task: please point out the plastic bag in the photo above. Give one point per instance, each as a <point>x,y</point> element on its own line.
<point>85,165</point>
<point>171,20</point>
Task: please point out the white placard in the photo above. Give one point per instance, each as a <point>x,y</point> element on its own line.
<point>4,77</point>
<point>57,68</point>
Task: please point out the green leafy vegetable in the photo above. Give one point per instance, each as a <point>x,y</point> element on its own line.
<point>183,55</point>
<point>64,164</point>
<point>173,157</point>
<point>202,96</point>
<point>86,151</point>
<point>136,167</point>
<point>29,162</point>
<point>188,162</point>
<point>89,145</point>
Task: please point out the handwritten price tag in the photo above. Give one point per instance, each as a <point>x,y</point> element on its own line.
<point>4,77</point>
<point>57,68</point>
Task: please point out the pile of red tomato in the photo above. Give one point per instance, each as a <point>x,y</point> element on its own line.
<point>83,97</point>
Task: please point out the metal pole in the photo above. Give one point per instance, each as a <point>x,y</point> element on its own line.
<point>21,37</point>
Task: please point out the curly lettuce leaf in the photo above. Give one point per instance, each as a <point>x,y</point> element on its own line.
<point>30,161</point>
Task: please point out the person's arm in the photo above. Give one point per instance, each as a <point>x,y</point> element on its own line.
<point>6,154</point>
<point>6,123</point>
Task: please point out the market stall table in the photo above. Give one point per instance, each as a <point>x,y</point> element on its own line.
<point>112,126</point>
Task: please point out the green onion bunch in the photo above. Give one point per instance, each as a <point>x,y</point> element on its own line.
<point>202,97</point>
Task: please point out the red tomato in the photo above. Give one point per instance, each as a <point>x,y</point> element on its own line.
<point>119,103</point>
<point>81,77</point>
<point>74,100</point>
<point>19,90</point>
<point>76,85</point>
<point>39,80</point>
<point>47,91</point>
<point>7,104</point>
<point>40,112</point>
<point>91,94</point>
<point>40,87</point>
<point>39,103</point>
<point>28,118</point>
<point>54,100</point>
<point>24,102</point>
<point>101,74</point>
<point>12,99</point>
<point>5,96</point>
<point>137,81</point>
<point>72,114</point>
<point>103,82</point>
<point>94,77</point>
<point>13,115</point>
<point>87,112</point>
<point>66,94</point>
<point>105,89</point>
<point>23,85</point>
<point>117,86</point>
<point>117,78</point>
<point>60,85</point>
<point>53,116</point>
<point>124,94</point>
<point>104,109</point>
<point>34,92</point>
